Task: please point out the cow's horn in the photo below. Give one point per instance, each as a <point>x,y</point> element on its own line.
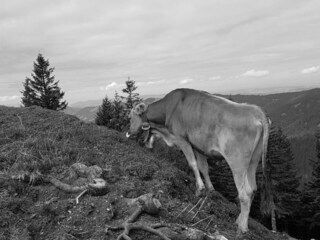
<point>145,126</point>
<point>140,108</point>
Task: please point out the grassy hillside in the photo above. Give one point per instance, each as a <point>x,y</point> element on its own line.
<point>34,140</point>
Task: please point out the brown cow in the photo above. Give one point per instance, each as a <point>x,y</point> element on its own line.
<point>203,125</point>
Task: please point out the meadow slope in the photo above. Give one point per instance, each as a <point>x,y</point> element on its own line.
<point>34,140</point>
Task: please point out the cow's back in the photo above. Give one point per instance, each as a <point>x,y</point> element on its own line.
<point>193,108</point>
<point>202,118</point>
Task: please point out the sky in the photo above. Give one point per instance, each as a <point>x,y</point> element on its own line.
<point>221,46</point>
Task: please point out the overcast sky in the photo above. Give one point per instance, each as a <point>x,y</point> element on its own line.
<point>220,46</point>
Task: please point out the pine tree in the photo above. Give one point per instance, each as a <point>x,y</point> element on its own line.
<point>42,90</point>
<point>285,181</point>
<point>104,114</point>
<point>29,96</point>
<point>132,96</point>
<point>112,114</point>
<point>119,116</point>
<point>311,196</point>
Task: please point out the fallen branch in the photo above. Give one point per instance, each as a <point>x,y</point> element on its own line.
<point>96,186</point>
<point>145,203</point>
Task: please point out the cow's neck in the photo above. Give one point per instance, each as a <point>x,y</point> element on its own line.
<point>155,114</point>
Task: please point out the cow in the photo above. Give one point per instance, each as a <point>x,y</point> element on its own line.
<point>203,125</point>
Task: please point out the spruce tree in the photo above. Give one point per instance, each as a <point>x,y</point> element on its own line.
<point>285,181</point>
<point>42,90</point>
<point>29,96</point>
<point>119,116</point>
<point>311,197</point>
<point>132,97</point>
<point>104,114</point>
<point>112,114</point>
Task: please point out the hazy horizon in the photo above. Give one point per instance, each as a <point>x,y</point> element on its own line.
<point>261,92</point>
<point>218,46</point>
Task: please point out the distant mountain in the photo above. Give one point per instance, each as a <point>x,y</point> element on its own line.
<point>86,114</point>
<point>266,91</point>
<point>98,102</point>
<point>298,113</point>
<point>87,103</point>
<point>71,110</point>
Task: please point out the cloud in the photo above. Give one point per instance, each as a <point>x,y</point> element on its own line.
<point>110,86</point>
<point>186,81</point>
<point>240,23</point>
<point>8,98</point>
<point>149,83</point>
<point>214,78</point>
<point>256,73</point>
<point>310,70</point>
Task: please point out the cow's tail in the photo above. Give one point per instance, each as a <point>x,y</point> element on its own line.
<point>266,195</point>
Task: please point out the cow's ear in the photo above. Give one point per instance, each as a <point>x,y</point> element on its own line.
<point>140,108</point>
<point>134,104</point>
<point>145,126</point>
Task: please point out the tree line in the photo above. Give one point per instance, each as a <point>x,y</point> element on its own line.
<point>293,210</point>
<point>114,114</point>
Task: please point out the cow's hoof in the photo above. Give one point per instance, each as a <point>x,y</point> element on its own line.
<point>201,192</point>
<point>242,235</point>
<point>210,190</point>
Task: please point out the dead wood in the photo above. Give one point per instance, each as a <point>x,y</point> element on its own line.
<point>64,186</point>
<point>144,203</point>
<point>96,186</point>
<point>148,204</point>
<point>81,170</point>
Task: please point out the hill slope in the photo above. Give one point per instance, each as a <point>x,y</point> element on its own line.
<point>36,140</point>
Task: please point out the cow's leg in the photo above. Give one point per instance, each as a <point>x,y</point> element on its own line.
<point>245,192</point>
<point>204,169</point>
<point>251,174</point>
<point>188,152</point>
<point>256,157</point>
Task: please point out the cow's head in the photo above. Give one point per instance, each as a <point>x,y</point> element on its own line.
<point>138,122</point>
